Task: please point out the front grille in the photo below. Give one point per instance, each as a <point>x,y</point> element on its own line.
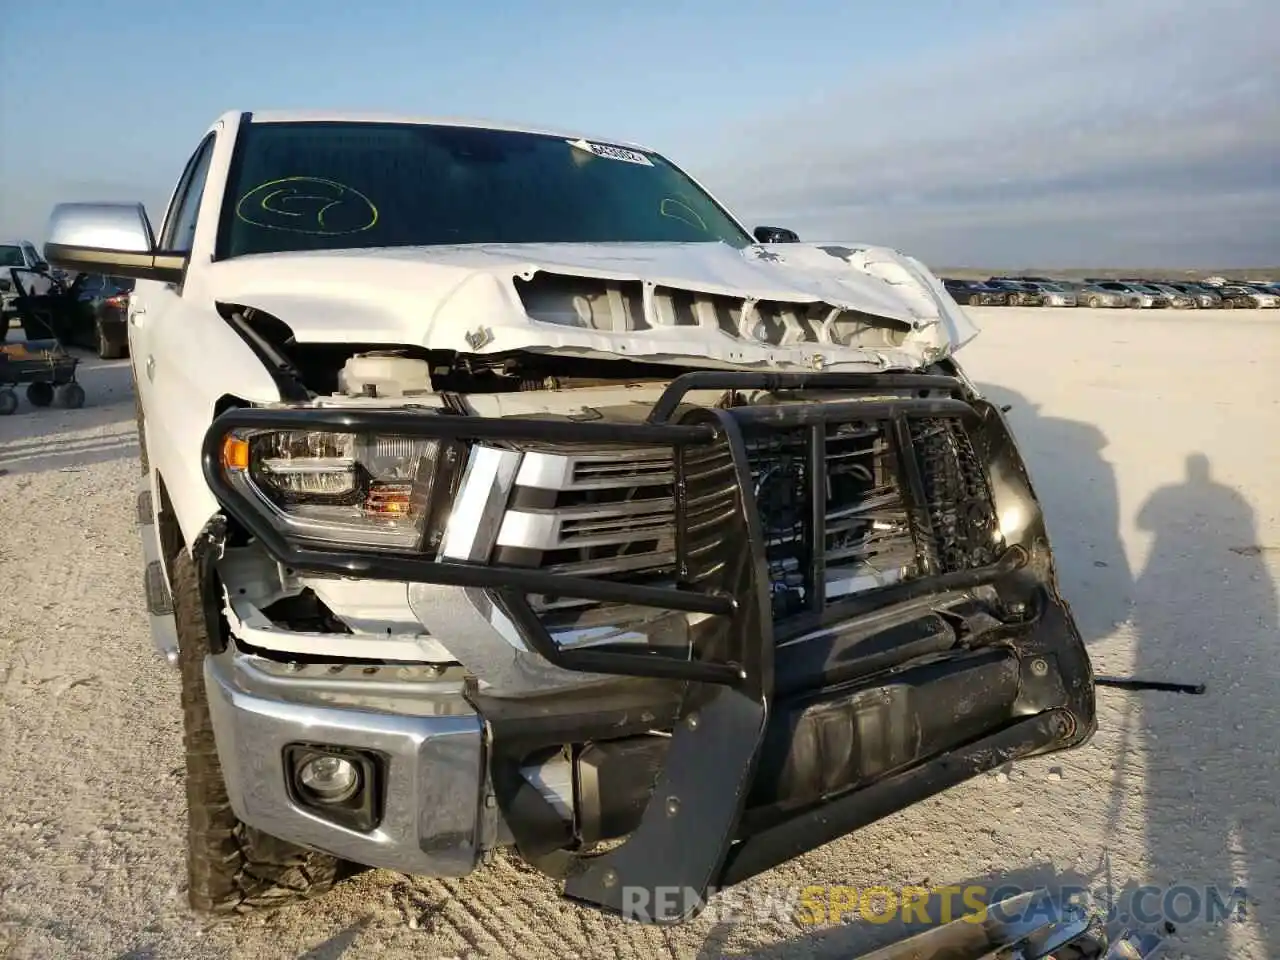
<point>866,539</point>
<point>962,519</point>
<point>869,538</point>
<point>607,514</point>
<point>627,468</point>
<point>593,512</point>
<point>613,515</point>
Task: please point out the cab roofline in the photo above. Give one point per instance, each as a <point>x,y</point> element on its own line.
<point>232,117</point>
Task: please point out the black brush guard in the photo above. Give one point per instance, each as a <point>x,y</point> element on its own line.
<point>692,836</point>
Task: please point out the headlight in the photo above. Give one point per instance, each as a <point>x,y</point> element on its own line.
<point>374,491</point>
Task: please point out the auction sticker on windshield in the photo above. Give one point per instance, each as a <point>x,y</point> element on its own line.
<point>611,152</point>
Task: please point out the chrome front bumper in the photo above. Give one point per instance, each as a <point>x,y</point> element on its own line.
<point>430,738</point>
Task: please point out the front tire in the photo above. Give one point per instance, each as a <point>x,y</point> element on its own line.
<point>1093,303</point>
<point>231,866</point>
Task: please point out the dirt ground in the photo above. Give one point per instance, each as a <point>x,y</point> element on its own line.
<point>1153,443</point>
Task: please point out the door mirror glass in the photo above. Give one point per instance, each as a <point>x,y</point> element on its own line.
<point>775,235</point>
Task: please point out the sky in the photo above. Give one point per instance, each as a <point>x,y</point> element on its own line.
<point>976,133</point>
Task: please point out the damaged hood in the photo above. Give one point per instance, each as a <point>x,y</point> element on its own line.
<point>785,306</point>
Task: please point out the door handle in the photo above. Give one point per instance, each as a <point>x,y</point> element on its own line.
<point>135,311</point>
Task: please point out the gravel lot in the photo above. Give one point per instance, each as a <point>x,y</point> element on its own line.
<point>1152,439</point>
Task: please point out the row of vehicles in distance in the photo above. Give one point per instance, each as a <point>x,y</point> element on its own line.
<point>1215,293</point>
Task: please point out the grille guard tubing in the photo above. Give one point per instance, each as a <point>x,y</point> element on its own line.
<point>687,838</point>
<point>513,583</point>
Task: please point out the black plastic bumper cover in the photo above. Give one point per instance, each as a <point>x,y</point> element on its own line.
<point>691,835</point>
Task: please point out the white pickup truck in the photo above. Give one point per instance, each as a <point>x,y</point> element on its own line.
<point>500,488</point>
<point>33,274</point>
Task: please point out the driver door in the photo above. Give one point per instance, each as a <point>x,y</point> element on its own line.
<point>153,300</point>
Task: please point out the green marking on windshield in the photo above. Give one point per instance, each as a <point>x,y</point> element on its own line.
<point>303,205</point>
<point>679,210</point>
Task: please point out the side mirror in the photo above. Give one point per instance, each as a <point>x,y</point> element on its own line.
<point>775,235</point>
<point>41,267</point>
<point>109,238</point>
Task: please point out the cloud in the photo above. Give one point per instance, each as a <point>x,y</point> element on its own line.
<point>1105,132</point>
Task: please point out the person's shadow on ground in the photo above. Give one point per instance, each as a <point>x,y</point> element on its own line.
<point>1206,612</point>
<point>1203,609</point>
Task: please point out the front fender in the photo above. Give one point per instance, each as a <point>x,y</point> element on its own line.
<point>199,360</point>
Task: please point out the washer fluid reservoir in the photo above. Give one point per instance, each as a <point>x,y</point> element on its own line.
<point>384,374</point>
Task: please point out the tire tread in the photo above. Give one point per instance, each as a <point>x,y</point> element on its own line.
<point>231,866</point>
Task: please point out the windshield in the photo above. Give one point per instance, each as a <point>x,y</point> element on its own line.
<point>326,186</point>
<point>11,256</point>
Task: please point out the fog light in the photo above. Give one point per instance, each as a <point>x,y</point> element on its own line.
<point>329,779</point>
<point>339,784</point>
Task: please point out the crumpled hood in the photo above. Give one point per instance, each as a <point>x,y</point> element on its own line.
<point>781,306</point>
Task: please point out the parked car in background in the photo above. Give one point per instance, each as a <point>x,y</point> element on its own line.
<point>33,274</point>
<point>1234,299</point>
<point>1093,296</point>
<point>1017,294</point>
<point>1249,297</point>
<point>1206,298</point>
<point>1135,295</point>
<point>103,323</point>
<point>975,293</point>
<point>1266,286</point>
<point>1147,286</point>
<point>1055,294</point>
<point>1178,299</point>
